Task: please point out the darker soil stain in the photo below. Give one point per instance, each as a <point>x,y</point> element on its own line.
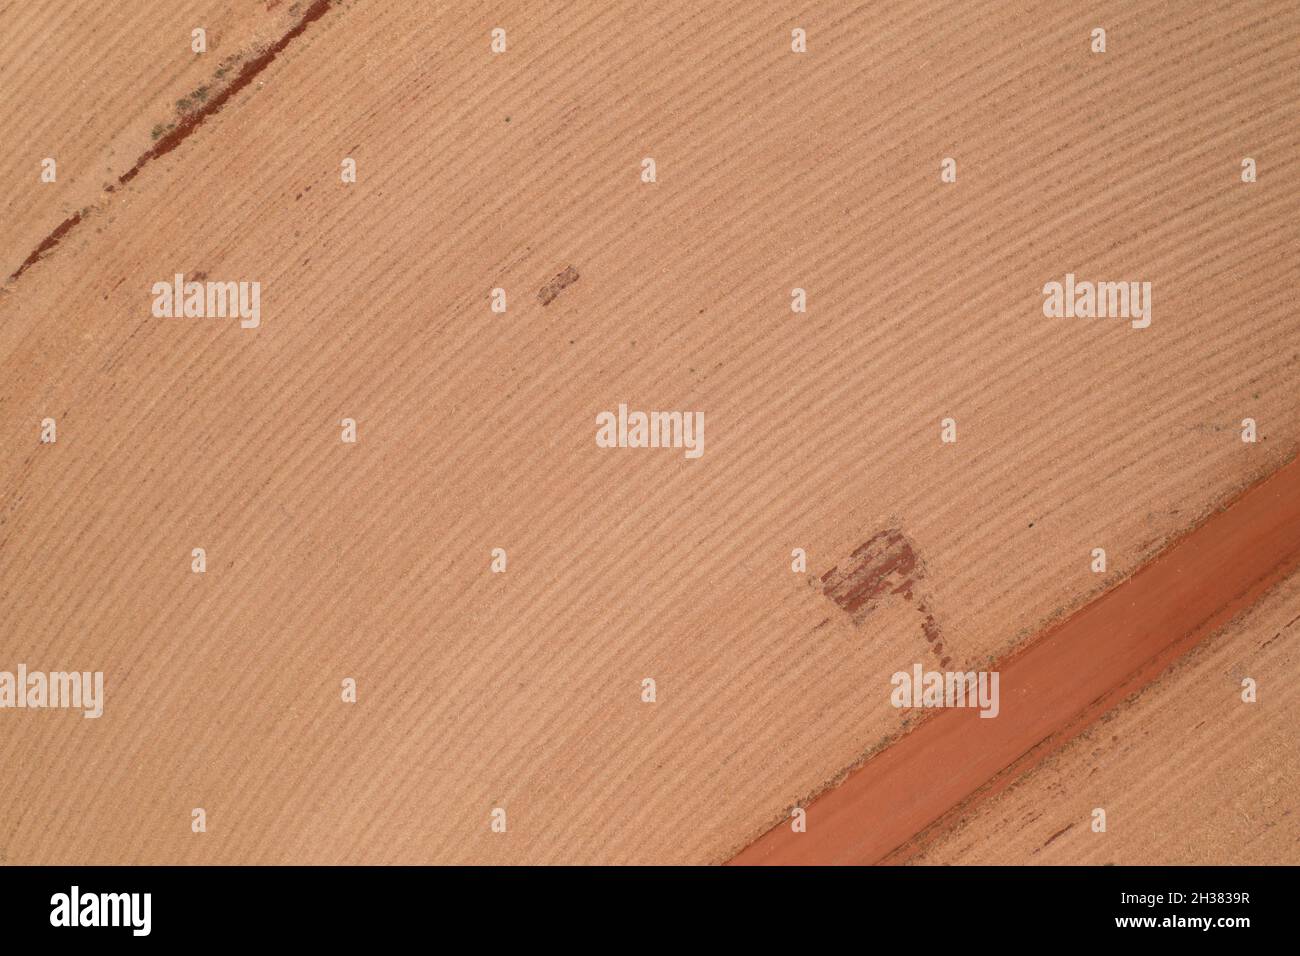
<point>884,565</point>
<point>193,110</point>
<point>547,293</point>
<point>1061,832</point>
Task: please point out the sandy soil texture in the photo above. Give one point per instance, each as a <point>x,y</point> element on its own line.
<point>95,86</point>
<point>476,430</point>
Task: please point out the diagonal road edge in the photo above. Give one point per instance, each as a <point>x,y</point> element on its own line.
<point>1053,688</point>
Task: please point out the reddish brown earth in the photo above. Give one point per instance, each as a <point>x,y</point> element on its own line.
<point>370,561</point>
<point>187,123</point>
<point>547,293</point>
<point>1200,768</point>
<point>1053,689</point>
<point>884,565</point>
<point>104,88</point>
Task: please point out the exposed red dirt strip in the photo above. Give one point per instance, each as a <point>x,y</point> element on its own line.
<point>1053,688</point>
<point>188,124</point>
